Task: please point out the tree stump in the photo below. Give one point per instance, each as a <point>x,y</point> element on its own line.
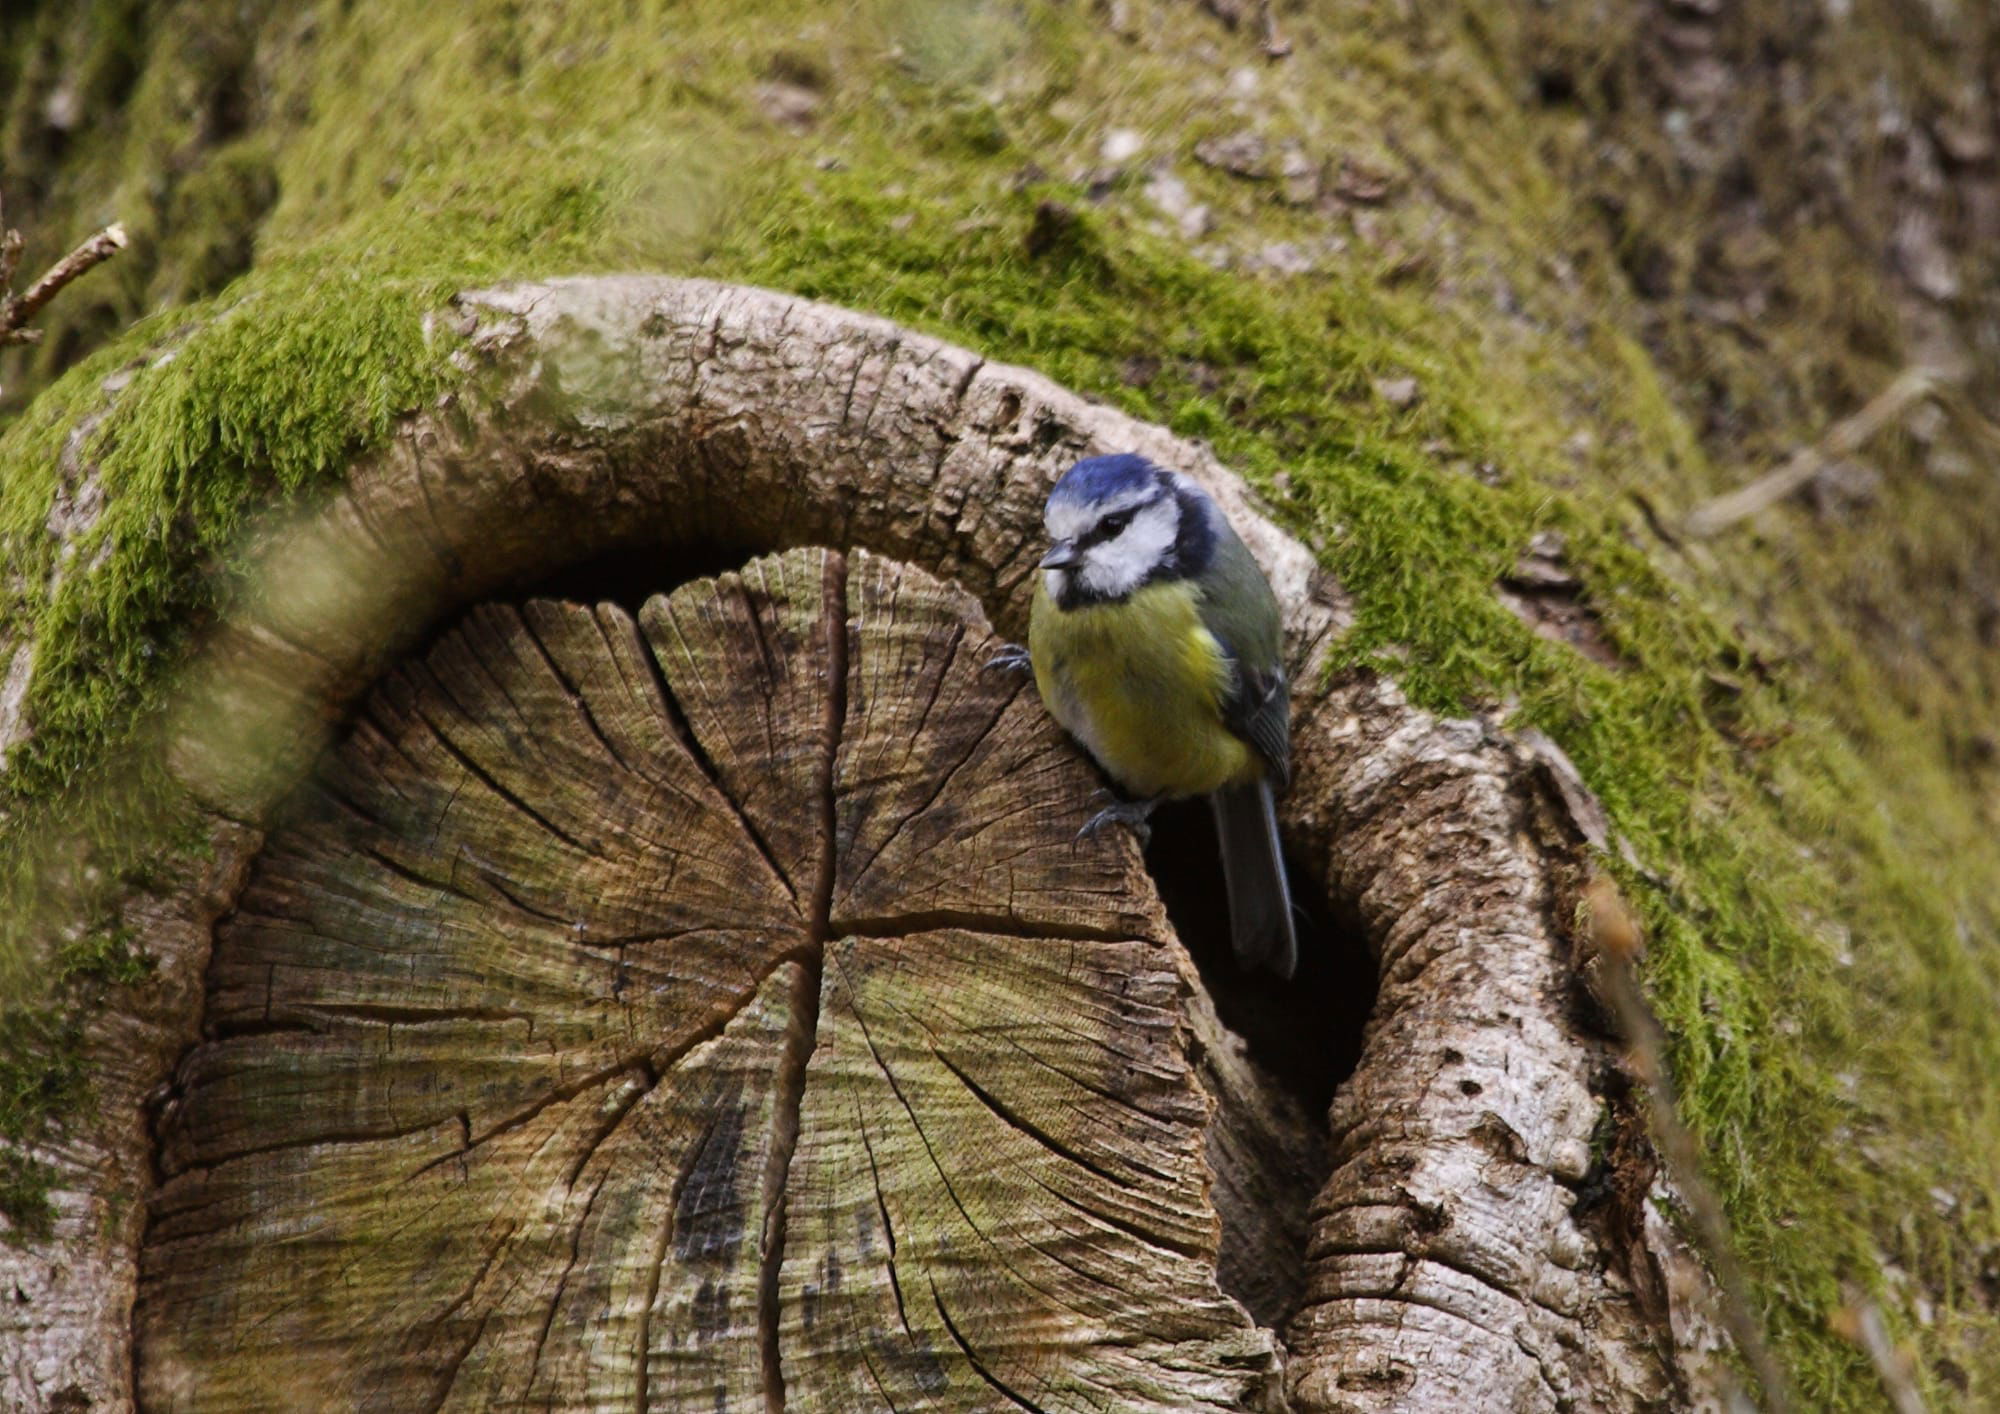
<point>705,1010</point>
<point>715,999</point>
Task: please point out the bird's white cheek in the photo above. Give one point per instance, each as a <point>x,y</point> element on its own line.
<point>1054,581</point>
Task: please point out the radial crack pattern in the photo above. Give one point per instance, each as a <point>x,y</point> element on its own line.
<point>550,942</point>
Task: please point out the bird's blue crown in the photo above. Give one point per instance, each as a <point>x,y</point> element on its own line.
<point>1098,479</point>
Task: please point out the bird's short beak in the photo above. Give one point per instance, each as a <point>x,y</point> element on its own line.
<point>1061,556</point>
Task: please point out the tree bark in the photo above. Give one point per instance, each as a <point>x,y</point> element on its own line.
<point>713,1005</point>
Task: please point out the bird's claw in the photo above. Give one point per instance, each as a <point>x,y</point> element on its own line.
<point>1131,813</point>
<point>1009,658</point>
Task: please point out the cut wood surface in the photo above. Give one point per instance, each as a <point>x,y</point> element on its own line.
<point>689,1012</point>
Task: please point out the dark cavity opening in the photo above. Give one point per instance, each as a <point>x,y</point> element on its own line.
<point>1306,1032</point>
<point>1267,1144</point>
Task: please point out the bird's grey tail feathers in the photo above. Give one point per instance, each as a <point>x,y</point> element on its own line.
<point>1260,903</point>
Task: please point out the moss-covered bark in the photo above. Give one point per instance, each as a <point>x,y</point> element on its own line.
<point>1628,258</point>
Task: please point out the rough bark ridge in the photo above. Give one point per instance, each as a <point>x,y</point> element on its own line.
<point>1446,1256</point>
<point>1448,1268</point>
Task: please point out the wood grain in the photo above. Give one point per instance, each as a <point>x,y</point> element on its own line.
<point>998,1197</point>
<point>709,1011</point>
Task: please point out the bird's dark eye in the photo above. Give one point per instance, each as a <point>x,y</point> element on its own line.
<point>1112,525</point>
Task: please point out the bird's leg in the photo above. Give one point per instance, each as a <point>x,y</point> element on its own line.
<point>1121,812</point>
<point>1009,658</point>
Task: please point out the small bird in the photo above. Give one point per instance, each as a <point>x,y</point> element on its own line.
<point>1155,641</point>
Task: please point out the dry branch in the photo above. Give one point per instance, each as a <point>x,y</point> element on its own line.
<point>17,310</point>
<point>1846,437</point>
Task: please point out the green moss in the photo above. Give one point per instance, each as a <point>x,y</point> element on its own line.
<point>278,387</point>
<point>1819,890</point>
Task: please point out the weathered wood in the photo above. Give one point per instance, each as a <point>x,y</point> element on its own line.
<point>510,905</point>
<point>1447,1257</point>
<point>999,1196</point>
<point>955,801</point>
<point>530,1076</point>
<point>753,663</point>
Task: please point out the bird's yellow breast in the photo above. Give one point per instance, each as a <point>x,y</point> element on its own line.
<point>1141,684</point>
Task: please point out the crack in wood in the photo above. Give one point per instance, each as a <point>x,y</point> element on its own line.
<point>646,1081</point>
<point>905,925</point>
<point>1412,1258</point>
<point>576,1229</point>
<point>493,878</point>
<point>930,1150</point>
<point>651,1060</point>
<point>1014,1120</point>
<point>804,1030</point>
<point>703,762</point>
<point>801,1037</point>
<point>834,596</point>
<point>409,875</point>
<point>944,778</point>
<point>674,935</point>
<point>754,621</point>
<point>356,1136</point>
<point>486,778</point>
<point>1131,1229</point>
<point>656,1267</point>
<point>386,1014</point>
<point>449,1375</point>
<point>262,1026</point>
<point>882,1208</point>
<point>972,1357</point>
<point>558,1095</point>
<point>579,701</point>
<point>457,1302</point>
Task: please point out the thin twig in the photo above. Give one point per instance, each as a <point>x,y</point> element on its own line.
<point>17,311</point>
<point>1614,931</point>
<point>1910,386</point>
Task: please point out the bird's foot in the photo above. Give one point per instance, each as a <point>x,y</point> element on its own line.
<point>1009,658</point>
<point>1132,813</point>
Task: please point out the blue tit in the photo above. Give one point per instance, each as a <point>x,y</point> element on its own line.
<point>1155,641</point>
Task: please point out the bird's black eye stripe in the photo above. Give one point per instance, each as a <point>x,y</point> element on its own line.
<point>1108,527</point>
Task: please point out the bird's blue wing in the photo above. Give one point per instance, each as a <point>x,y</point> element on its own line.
<point>1239,610</point>
<point>1258,708</point>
